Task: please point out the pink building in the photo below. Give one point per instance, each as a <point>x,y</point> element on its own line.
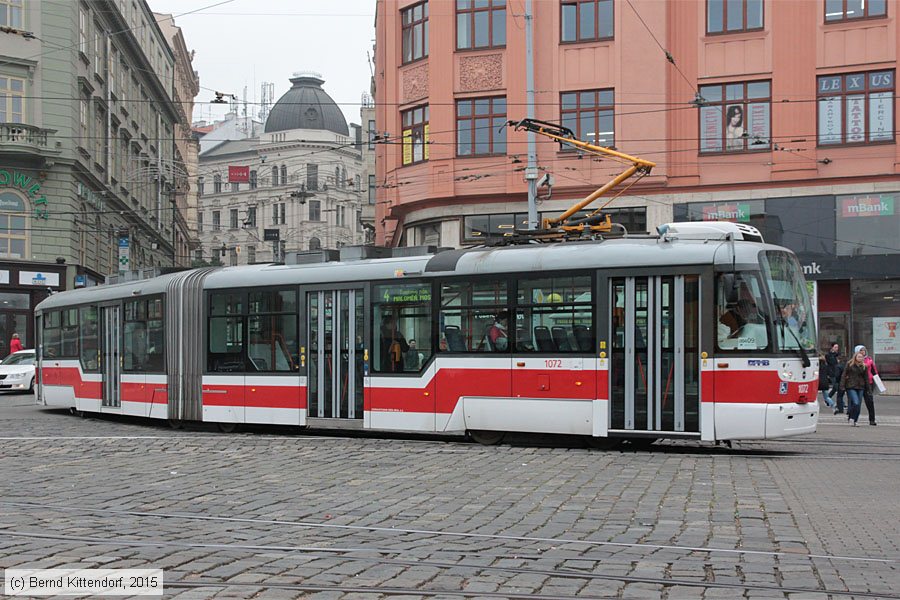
<point>779,113</point>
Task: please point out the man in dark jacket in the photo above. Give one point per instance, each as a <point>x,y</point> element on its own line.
<point>835,367</point>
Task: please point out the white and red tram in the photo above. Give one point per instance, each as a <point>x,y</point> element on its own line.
<point>702,332</point>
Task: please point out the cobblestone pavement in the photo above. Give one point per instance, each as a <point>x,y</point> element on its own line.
<point>273,514</point>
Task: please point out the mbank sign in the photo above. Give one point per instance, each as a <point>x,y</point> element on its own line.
<point>867,206</point>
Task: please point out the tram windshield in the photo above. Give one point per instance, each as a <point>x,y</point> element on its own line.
<point>795,327</point>
<point>741,312</point>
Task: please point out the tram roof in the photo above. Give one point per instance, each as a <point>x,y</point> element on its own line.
<point>609,254</point>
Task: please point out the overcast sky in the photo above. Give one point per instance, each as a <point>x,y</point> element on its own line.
<point>242,43</point>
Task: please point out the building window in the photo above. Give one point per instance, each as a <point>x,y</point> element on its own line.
<point>235,186</point>
<point>232,257</point>
<point>312,177</point>
<point>867,224</point>
<point>848,10</point>
<point>12,99</point>
<point>274,176</point>
<point>371,132</point>
<point>284,177</point>
<point>251,217</point>
<point>728,16</point>
<point>371,189</point>
<point>356,183</point>
<point>480,24</point>
<point>735,117</point>
<point>217,184</point>
<point>84,112</point>
<point>11,13</point>
<point>315,210</point>
<point>199,222</point>
<point>216,220</point>
<point>251,254</point>
<point>315,243</point>
<point>83,31</point>
<point>200,187</point>
<point>252,180</point>
<point>587,20</point>
<point>337,177</point>
<point>233,218</point>
<point>415,135</point>
<point>414,32</point>
<point>13,226</point>
<point>856,108</point>
<point>590,115</point>
<point>479,126</point>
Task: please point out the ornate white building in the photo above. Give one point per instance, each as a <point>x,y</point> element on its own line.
<point>305,189</point>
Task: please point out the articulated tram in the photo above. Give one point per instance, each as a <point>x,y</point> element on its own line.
<point>703,332</point>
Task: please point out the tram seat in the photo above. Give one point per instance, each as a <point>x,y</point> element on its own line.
<point>543,339</point>
<point>455,341</point>
<point>583,338</point>
<point>560,338</point>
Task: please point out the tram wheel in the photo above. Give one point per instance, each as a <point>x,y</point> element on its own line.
<point>175,423</point>
<point>227,427</point>
<point>487,438</point>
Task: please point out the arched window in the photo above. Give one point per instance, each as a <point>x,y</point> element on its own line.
<point>14,227</point>
<point>217,184</point>
<point>284,180</point>
<point>315,244</point>
<point>343,177</point>
<point>337,177</point>
<point>274,176</point>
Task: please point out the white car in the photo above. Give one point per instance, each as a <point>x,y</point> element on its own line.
<point>17,372</point>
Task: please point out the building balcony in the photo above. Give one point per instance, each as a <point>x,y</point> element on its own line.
<point>26,141</point>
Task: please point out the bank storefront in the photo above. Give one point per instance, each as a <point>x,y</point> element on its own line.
<point>849,246</point>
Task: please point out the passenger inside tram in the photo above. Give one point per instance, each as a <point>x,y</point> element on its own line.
<point>741,324</point>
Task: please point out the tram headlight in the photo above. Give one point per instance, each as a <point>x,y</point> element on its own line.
<point>789,375</point>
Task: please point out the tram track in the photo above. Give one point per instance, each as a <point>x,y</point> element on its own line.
<point>344,555</point>
<point>104,512</point>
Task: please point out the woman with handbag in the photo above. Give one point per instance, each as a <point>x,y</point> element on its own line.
<point>854,381</point>
<point>871,374</point>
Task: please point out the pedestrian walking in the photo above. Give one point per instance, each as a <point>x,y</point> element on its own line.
<point>871,372</point>
<point>825,380</point>
<point>854,381</point>
<point>836,369</point>
<point>15,344</point>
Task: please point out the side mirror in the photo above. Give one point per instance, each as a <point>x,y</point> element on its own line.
<point>729,288</point>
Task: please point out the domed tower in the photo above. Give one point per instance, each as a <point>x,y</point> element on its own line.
<point>306,106</point>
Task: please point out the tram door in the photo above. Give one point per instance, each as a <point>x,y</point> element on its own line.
<point>335,331</point>
<point>654,353</point>
<point>111,355</point>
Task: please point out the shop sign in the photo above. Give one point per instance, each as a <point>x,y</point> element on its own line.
<point>238,174</point>
<point>735,212</point>
<point>124,252</point>
<point>90,196</point>
<point>885,339</point>
<point>4,277</point>
<point>38,278</point>
<point>29,186</point>
<point>873,205</point>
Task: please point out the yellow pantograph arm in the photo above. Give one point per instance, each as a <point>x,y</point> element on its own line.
<point>564,135</point>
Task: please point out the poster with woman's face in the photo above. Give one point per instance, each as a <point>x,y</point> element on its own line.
<point>734,127</point>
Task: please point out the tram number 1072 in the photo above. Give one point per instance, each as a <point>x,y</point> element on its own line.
<point>553,363</point>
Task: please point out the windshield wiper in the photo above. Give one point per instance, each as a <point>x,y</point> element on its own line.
<point>804,357</point>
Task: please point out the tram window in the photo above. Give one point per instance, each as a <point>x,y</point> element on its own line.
<point>273,301</point>
<point>144,336</point>
<point>226,344</point>
<point>52,334</point>
<point>226,304</point>
<point>90,357</point>
<point>741,316</point>
<point>403,336</point>
<point>555,314</point>
<point>271,339</point>
<point>474,317</point>
<point>69,338</point>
